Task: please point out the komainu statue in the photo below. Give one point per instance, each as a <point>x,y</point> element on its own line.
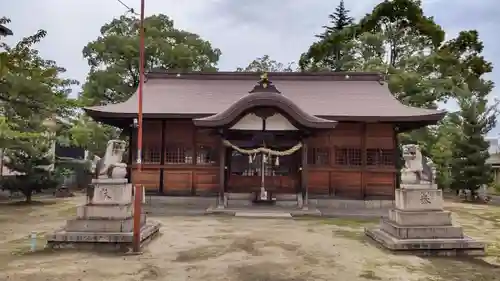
<point>418,169</point>
<point>111,165</point>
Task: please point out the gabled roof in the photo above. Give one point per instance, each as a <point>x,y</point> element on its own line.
<point>5,31</point>
<point>332,95</point>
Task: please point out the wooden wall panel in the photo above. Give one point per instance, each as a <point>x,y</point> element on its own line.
<point>380,183</point>
<point>177,181</point>
<point>179,131</point>
<point>332,179</point>
<point>346,183</point>
<point>319,181</point>
<point>380,136</point>
<point>352,182</point>
<point>150,178</point>
<point>151,133</point>
<point>206,181</point>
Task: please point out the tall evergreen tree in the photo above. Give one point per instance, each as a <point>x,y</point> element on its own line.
<point>338,20</point>
<point>469,169</point>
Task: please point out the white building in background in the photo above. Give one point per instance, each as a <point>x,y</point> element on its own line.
<point>494,145</point>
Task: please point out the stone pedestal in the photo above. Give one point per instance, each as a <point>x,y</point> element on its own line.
<point>418,224</point>
<point>105,222</point>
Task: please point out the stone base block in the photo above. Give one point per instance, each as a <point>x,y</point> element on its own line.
<point>421,232</point>
<point>104,212</point>
<point>102,225</point>
<point>419,199</point>
<point>432,218</point>
<point>112,194</point>
<point>418,186</point>
<point>100,241</point>
<point>428,247</point>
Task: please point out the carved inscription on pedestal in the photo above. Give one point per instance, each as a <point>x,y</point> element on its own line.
<point>105,194</point>
<point>425,198</point>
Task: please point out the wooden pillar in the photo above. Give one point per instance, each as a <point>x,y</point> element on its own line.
<point>222,173</point>
<point>397,159</point>
<point>130,158</point>
<point>304,176</point>
<point>364,137</point>
<point>195,160</point>
<point>162,156</point>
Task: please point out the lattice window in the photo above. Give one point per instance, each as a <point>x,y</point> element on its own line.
<point>318,156</point>
<point>348,156</point>
<point>380,157</point>
<point>178,155</point>
<point>152,155</point>
<point>206,155</point>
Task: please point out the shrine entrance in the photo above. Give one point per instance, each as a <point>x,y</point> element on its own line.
<point>263,150</point>
<point>273,167</point>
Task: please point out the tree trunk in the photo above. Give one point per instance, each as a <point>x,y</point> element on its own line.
<point>28,198</point>
<point>27,194</point>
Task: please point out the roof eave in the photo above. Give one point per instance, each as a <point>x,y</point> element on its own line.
<point>265,99</point>
<point>428,119</point>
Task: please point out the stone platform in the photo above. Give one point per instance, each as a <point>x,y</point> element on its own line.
<point>264,212</point>
<point>419,225</point>
<point>105,222</point>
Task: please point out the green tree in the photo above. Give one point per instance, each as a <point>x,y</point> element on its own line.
<point>440,146</point>
<point>266,64</point>
<point>31,90</point>
<point>88,134</point>
<point>397,39</point>
<point>31,159</point>
<point>30,86</point>
<point>114,56</point>
<point>339,19</point>
<point>470,150</point>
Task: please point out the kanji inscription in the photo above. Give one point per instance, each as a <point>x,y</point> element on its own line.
<point>425,198</point>
<point>105,194</point>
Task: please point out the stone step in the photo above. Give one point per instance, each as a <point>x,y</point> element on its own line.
<point>420,232</point>
<point>263,214</point>
<point>101,225</point>
<point>445,247</point>
<point>415,218</point>
<point>107,212</point>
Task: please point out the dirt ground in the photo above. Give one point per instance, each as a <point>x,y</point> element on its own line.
<point>237,249</point>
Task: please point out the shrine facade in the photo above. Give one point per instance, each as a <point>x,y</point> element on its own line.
<point>310,134</point>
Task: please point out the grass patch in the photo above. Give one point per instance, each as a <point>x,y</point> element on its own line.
<point>70,210</point>
<point>349,234</point>
<point>22,246</point>
<point>350,222</point>
<point>239,244</point>
<point>284,246</point>
<point>267,271</point>
<point>24,204</point>
<point>493,249</point>
<point>370,275</point>
<point>245,245</point>
<point>200,253</point>
<point>462,269</point>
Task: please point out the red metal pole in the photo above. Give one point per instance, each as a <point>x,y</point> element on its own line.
<point>138,188</point>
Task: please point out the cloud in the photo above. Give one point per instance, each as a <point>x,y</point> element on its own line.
<point>243,30</point>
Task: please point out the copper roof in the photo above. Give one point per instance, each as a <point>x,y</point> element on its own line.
<point>336,96</point>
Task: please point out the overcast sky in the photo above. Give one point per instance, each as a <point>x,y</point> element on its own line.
<point>242,29</point>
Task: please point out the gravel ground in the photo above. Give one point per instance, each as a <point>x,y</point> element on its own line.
<point>231,248</point>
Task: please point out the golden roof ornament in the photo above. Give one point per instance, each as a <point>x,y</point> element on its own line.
<point>264,80</point>
<point>264,85</point>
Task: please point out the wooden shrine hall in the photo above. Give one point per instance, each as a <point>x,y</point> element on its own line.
<point>307,134</point>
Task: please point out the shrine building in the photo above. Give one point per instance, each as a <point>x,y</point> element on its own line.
<point>309,135</point>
